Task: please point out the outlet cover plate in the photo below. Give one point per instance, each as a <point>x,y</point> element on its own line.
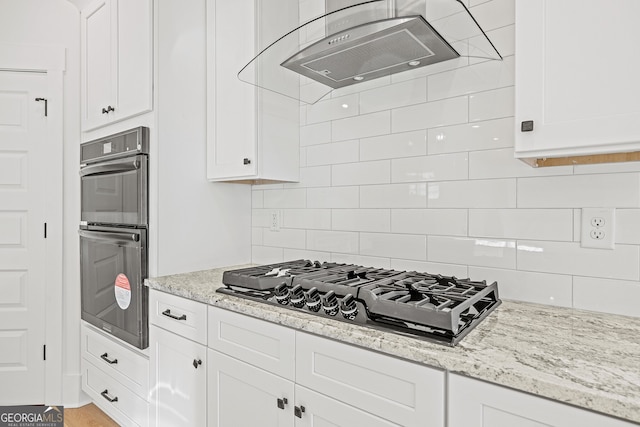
<point>588,229</point>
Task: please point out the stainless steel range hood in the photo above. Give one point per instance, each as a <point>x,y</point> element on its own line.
<point>355,43</point>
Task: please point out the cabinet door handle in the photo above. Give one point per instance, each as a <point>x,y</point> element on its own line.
<point>526,126</point>
<point>105,357</point>
<point>282,402</point>
<point>246,161</point>
<point>105,394</point>
<point>167,313</point>
<point>108,109</point>
<point>298,411</point>
<point>196,363</point>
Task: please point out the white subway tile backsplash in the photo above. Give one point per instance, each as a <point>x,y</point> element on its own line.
<point>369,261</point>
<point>611,296</point>
<point>256,236</point>
<point>314,219</point>
<point>332,241</point>
<point>444,222</point>
<point>412,195</point>
<point>501,163</point>
<point>319,133</point>
<point>395,145</point>
<point>489,193</point>
<point>627,226</point>
<point>440,167</point>
<point>485,135</point>
<point>504,39</point>
<point>494,14</point>
<point>569,258</point>
<point>404,246</point>
<point>289,198</point>
<point>539,288</point>
<point>607,168</point>
<point>579,191</point>
<point>500,253</point>
<point>378,172</point>
<point>474,78</point>
<point>284,238</point>
<point>261,217</point>
<point>376,220</point>
<point>318,176</point>
<point>333,108</point>
<point>533,224</point>
<point>430,114</point>
<point>292,254</point>
<point>337,152</point>
<point>430,267</point>
<point>257,201</point>
<point>333,197</point>
<point>361,126</point>
<point>396,95</point>
<point>266,255</point>
<point>361,87</point>
<point>493,104</point>
<point>439,67</point>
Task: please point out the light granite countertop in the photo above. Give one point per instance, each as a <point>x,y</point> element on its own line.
<point>583,358</point>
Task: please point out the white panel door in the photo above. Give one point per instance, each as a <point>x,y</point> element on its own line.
<point>241,395</point>
<point>22,245</point>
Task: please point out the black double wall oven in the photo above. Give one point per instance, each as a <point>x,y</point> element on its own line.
<point>113,234</point>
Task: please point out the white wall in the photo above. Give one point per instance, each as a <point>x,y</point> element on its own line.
<point>56,23</point>
<point>417,172</point>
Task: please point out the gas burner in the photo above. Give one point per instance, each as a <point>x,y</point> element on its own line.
<point>428,306</point>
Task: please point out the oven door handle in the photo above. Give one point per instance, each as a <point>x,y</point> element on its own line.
<point>111,167</point>
<point>110,236</point>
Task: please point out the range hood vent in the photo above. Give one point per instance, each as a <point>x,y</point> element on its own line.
<point>441,30</point>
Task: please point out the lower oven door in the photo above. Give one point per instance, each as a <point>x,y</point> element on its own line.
<point>113,263</point>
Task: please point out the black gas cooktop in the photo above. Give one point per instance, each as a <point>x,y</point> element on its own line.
<point>428,306</point>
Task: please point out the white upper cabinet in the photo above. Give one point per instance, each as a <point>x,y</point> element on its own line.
<point>577,68</point>
<point>252,134</point>
<point>116,66</point>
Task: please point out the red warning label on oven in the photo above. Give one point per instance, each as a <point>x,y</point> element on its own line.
<point>123,291</point>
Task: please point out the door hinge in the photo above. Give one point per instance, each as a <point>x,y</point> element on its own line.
<point>45,105</point>
<point>45,230</point>
<point>44,352</point>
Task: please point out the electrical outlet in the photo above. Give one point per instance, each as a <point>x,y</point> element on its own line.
<point>274,224</point>
<point>598,228</point>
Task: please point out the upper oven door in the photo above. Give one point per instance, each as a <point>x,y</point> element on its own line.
<point>115,192</point>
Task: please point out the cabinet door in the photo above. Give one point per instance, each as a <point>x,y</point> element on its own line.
<point>231,150</point>
<point>577,77</point>
<point>133,77</point>
<point>320,410</point>
<point>475,403</point>
<point>178,380</point>
<point>97,62</point>
<point>245,396</point>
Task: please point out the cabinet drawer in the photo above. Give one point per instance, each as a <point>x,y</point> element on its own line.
<point>117,361</point>
<point>181,316</point>
<point>401,392</point>
<point>120,403</point>
<point>259,343</point>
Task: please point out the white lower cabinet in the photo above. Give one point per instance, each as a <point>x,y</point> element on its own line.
<point>178,374</point>
<point>115,376</point>
<point>243,395</point>
<point>474,403</point>
<point>265,374</point>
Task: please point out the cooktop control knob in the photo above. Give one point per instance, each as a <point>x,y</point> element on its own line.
<point>297,296</point>
<point>330,303</point>
<point>348,307</point>
<point>312,299</point>
<point>282,294</point>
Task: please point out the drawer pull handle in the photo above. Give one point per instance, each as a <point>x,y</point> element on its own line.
<point>298,411</point>
<point>105,394</point>
<point>196,363</point>
<point>167,313</point>
<point>282,402</point>
<point>105,357</point>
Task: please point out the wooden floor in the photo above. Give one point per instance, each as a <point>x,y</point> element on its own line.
<point>87,416</point>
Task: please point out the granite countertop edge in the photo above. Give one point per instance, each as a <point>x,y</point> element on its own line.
<point>557,365</point>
